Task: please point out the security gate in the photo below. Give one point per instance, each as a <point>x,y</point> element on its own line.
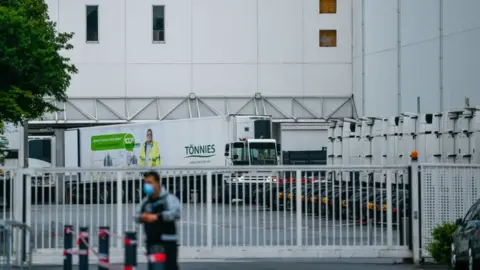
<point>238,212</point>
<point>447,191</point>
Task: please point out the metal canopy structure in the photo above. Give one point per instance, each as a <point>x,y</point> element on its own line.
<point>111,110</point>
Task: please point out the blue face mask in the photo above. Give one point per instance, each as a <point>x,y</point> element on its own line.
<point>148,189</point>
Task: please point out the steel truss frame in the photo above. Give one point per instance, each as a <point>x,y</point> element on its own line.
<point>106,110</point>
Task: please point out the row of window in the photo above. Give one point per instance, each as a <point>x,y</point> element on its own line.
<point>327,38</point>
<point>158,24</point>
<point>327,6</point>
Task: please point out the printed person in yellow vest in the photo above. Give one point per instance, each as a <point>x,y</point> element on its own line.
<point>149,152</point>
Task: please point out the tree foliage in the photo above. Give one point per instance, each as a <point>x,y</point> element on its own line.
<point>32,67</point>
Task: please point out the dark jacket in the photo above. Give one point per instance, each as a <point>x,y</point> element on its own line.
<point>168,209</point>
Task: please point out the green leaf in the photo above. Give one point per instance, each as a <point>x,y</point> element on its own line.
<point>31,61</point>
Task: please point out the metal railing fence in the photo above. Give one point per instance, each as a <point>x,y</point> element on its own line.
<point>16,247</point>
<point>235,212</point>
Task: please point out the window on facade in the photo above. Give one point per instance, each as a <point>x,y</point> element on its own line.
<point>158,19</point>
<point>328,38</point>
<point>92,23</point>
<point>327,6</point>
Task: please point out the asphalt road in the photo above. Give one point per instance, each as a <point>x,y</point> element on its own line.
<point>232,225</point>
<point>282,264</point>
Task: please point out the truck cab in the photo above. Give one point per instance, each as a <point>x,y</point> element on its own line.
<point>252,152</point>
<point>253,143</point>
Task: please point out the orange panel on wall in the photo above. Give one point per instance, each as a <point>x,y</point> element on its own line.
<point>328,38</point>
<point>327,6</point>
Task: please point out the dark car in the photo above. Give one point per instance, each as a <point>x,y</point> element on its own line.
<point>311,199</point>
<point>320,202</point>
<point>465,246</point>
<point>352,206</point>
<point>291,203</point>
<point>367,205</point>
<point>335,204</point>
<point>400,204</point>
<point>374,204</point>
<point>272,196</point>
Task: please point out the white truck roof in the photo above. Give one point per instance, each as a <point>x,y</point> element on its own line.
<point>262,140</point>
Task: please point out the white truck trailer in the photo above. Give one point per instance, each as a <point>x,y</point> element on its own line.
<point>448,137</point>
<point>443,138</point>
<point>220,141</point>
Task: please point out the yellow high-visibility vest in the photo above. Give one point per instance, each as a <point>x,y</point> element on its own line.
<point>153,157</point>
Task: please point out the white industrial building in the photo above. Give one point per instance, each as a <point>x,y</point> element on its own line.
<point>210,57</point>
<point>411,48</point>
<point>301,61</point>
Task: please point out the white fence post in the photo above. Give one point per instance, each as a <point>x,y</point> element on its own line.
<point>17,185</point>
<point>389,209</point>
<point>209,211</point>
<point>119,207</point>
<point>414,185</point>
<point>298,193</point>
<point>17,199</point>
<point>28,209</point>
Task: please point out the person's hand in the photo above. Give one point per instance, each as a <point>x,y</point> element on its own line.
<point>143,217</point>
<point>149,218</point>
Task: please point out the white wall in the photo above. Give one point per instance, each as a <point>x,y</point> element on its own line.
<point>213,47</point>
<point>303,137</point>
<point>403,55</point>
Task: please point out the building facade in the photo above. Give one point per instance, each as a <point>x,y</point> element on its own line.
<point>165,59</point>
<point>409,49</point>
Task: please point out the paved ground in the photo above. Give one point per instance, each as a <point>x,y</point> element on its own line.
<point>284,264</point>
<point>232,225</point>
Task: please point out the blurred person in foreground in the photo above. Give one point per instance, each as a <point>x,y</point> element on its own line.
<point>159,212</point>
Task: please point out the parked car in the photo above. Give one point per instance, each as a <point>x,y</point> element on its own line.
<point>320,202</point>
<point>465,247</point>
<point>290,202</point>
<point>335,204</point>
<point>400,203</point>
<point>271,195</point>
<point>352,206</point>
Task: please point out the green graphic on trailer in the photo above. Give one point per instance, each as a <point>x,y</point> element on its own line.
<point>117,141</point>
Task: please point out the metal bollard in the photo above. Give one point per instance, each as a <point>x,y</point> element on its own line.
<point>103,247</point>
<point>83,248</point>
<point>67,247</point>
<point>130,251</point>
<point>156,257</point>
